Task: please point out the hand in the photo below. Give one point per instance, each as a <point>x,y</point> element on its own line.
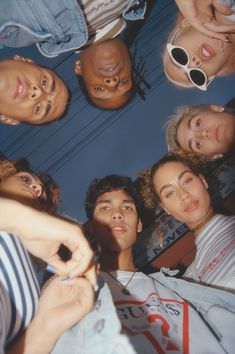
<point>200,15</point>
<point>42,234</point>
<point>61,306</point>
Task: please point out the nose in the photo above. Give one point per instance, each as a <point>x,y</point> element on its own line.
<point>195,61</point>
<point>184,194</point>
<point>117,216</point>
<point>37,188</point>
<point>205,134</point>
<point>112,81</point>
<point>35,92</point>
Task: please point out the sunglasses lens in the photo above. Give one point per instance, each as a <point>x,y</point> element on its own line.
<point>197,77</point>
<point>180,56</point>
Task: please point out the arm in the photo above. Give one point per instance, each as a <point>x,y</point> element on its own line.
<point>200,14</point>
<point>61,306</point>
<point>42,234</point>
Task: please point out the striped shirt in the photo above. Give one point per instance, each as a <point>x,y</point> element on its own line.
<point>214,263</point>
<point>19,290</point>
<point>99,13</point>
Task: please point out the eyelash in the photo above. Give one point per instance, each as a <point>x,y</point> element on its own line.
<point>26,179</point>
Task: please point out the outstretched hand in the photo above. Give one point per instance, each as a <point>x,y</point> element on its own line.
<point>200,15</point>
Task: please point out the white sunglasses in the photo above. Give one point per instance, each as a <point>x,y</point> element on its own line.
<point>180,57</point>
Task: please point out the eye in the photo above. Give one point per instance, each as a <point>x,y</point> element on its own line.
<point>43,81</point>
<point>123,82</point>
<point>37,109</point>
<point>187,180</point>
<point>103,209</point>
<point>99,88</point>
<point>25,179</point>
<point>198,123</point>
<point>169,194</point>
<point>128,208</point>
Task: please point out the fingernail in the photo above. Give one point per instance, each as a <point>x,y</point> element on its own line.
<point>50,268</point>
<point>96,287</point>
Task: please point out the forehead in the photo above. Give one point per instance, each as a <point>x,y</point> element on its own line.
<point>118,196</point>
<point>169,171</point>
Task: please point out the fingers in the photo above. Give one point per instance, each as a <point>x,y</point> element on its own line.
<point>223,7</point>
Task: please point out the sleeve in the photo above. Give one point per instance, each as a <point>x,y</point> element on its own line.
<point>3,319</point>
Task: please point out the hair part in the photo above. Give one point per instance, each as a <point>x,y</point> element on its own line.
<point>108,184</point>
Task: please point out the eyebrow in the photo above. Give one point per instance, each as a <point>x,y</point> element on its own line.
<point>181,175</point>
<point>109,201</point>
<point>49,103</point>
<point>189,128</point>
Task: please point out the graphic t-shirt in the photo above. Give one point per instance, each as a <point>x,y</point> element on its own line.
<point>156,319</point>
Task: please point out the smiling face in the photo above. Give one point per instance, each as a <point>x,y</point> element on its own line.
<point>182,194</point>
<point>107,73</point>
<point>23,187</point>
<point>115,221</point>
<point>30,93</point>
<point>209,54</point>
<point>207,133</point>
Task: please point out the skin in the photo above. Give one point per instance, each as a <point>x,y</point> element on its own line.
<point>107,73</point>
<point>115,225</point>
<point>209,133</point>
<point>209,54</point>
<point>182,194</point>
<point>24,187</point>
<point>30,93</point>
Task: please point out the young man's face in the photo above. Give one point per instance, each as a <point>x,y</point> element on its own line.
<point>30,93</point>
<point>207,133</point>
<point>115,222</point>
<point>182,194</point>
<point>107,73</point>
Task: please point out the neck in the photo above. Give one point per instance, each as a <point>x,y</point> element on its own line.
<point>110,261</point>
<point>197,227</point>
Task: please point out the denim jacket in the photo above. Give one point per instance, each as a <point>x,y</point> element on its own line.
<point>56,26</point>
<point>99,332</point>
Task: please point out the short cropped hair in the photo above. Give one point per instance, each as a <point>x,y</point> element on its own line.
<point>108,184</point>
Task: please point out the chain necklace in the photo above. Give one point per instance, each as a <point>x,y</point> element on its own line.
<point>203,222</point>
<point>125,291</point>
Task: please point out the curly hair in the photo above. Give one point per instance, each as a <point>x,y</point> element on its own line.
<point>108,184</point>
<point>49,204</point>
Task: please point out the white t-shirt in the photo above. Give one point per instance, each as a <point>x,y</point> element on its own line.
<point>214,263</point>
<point>156,319</point>
<point>19,289</point>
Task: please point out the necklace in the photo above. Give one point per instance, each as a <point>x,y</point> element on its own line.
<point>203,222</point>
<point>125,291</point>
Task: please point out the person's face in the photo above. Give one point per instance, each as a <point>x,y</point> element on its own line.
<point>107,73</point>
<point>23,187</point>
<point>209,54</point>
<point>207,133</point>
<point>182,193</point>
<point>30,93</point>
<point>115,222</point>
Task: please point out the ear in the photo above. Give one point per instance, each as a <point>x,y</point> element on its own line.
<point>139,226</point>
<point>7,120</point>
<point>19,58</point>
<point>202,178</point>
<point>78,69</point>
<point>216,108</point>
<point>165,209</point>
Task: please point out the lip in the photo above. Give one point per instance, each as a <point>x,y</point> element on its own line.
<point>118,228</point>
<point>32,193</point>
<point>110,70</point>
<point>191,206</point>
<point>19,88</point>
<point>205,52</point>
